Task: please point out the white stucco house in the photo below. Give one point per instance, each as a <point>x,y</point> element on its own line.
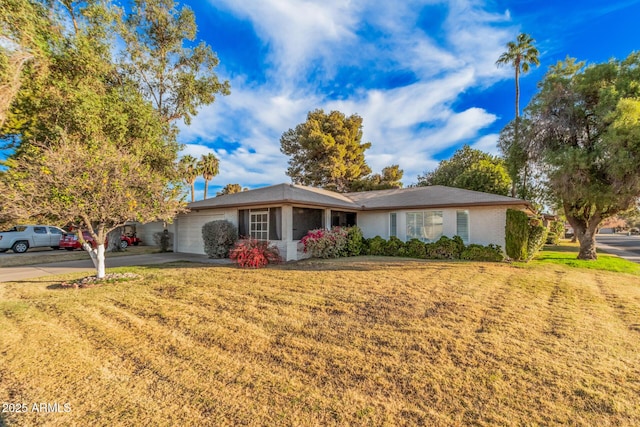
<point>284,213</point>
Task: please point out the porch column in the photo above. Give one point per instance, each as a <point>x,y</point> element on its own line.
<point>287,234</point>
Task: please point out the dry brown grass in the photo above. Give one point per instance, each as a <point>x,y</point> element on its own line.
<point>348,342</point>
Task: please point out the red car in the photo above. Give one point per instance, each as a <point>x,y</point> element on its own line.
<point>69,241</point>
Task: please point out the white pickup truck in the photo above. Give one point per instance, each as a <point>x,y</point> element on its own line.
<point>22,237</point>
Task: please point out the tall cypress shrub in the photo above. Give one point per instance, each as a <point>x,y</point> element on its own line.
<point>517,235</point>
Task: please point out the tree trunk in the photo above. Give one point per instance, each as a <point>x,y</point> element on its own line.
<point>585,231</point>
<point>206,186</point>
<point>193,192</point>
<point>97,257</point>
<point>100,268</point>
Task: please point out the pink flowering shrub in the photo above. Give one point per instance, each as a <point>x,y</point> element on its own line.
<point>252,253</point>
<point>323,243</point>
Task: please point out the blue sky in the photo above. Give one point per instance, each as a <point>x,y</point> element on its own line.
<point>421,73</point>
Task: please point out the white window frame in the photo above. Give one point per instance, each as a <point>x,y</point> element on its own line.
<point>263,232</point>
<point>419,224</point>
<point>468,237</point>
<point>393,228</point>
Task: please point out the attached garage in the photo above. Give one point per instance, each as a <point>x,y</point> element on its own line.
<point>189,231</point>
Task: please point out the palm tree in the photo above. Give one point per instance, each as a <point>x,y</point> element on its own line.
<point>520,54</point>
<point>189,170</point>
<point>209,167</point>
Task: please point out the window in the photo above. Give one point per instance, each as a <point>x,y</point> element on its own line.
<point>343,219</point>
<point>425,226</point>
<point>462,225</point>
<point>305,219</point>
<point>40,230</point>
<point>259,225</point>
<point>393,224</point>
<point>54,230</point>
<point>253,223</point>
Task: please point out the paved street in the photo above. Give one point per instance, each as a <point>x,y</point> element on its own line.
<point>10,274</point>
<point>627,247</point>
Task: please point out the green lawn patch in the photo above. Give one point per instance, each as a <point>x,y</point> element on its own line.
<point>566,254</point>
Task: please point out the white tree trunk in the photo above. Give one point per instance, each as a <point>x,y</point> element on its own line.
<point>97,256</point>
<point>100,267</point>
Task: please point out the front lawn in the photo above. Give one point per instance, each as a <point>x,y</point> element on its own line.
<point>364,341</point>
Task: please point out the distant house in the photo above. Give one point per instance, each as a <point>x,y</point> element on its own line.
<point>284,213</point>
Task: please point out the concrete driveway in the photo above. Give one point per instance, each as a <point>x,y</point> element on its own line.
<point>627,247</point>
<point>13,274</point>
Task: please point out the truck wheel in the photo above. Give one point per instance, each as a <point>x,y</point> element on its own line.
<point>123,244</point>
<point>20,247</point>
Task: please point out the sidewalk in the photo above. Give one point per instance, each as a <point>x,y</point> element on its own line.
<point>13,274</point>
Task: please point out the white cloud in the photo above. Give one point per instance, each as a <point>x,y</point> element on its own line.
<point>488,144</point>
<point>407,125</point>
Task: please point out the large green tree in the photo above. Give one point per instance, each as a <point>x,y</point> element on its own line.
<point>231,189</point>
<point>391,177</point>
<point>95,138</point>
<point>176,78</point>
<point>586,124</point>
<point>470,169</point>
<point>25,29</point>
<point>326,151</point>
<point>520,55</point>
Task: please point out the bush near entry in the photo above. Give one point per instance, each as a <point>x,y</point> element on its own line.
<point>219,237</point>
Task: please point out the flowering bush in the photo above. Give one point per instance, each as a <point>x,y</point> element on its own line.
<point>323,243</point>
<point>252,253</point>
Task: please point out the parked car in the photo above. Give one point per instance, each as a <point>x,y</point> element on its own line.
<point>633,232</point>
<point>22,237</point>
<point>70,241</point>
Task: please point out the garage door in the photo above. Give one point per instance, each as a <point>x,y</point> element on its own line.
<point>190,231</point>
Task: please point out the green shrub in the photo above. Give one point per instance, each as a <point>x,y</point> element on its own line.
<point>557,227</point>
<point>415,248</point>
<point>164,239</point>
<point>376,246</point>
<point>445,248</point>
<point>473,252</point>
<point>517,235</point>
<point>219,237</point>
<point>537,238</point>
<point>355,242</point>
<point>394,247</point>
<point>552,238</point>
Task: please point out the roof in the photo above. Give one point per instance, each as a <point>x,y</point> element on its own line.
<point>436,196</point>
<point>430,197</point>
<point>280,193</point>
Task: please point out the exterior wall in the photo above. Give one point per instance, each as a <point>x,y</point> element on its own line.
<point>188,228</point>
<point>486,224</point>
<point>375,224</point>
<point>146,231</point>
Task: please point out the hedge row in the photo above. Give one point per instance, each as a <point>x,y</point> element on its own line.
<point>341,242</point>
<point>524,236</point>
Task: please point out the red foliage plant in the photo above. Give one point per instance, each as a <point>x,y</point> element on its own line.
<point>252,253</point>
